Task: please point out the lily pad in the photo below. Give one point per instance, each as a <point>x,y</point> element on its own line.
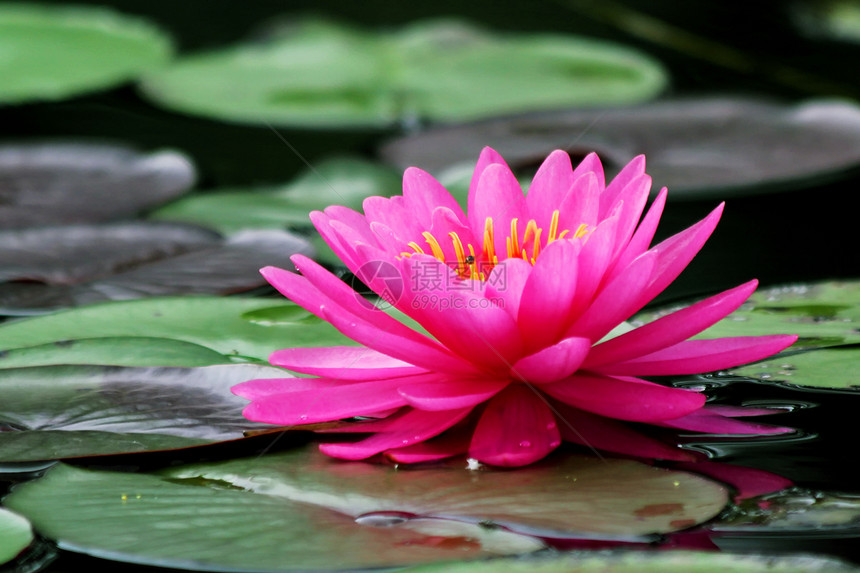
<point>695,147</point>
<point>300,511</point>
<point>644,562</point>
<point>65,183</point>
<point>324,74</point>
<point>825,368</point>
<point>213,322</point>
<point>823,314</point>
<point>113,351</point>
<point>333,182</point>
<point>134,260</point>
<point>52,412</point>
<point>53,52</point>
<point>15,535</point>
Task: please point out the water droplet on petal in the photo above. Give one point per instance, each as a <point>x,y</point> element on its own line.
<point>303,417</point>
<point>383,518</point>
<point>525,444</point>
<point>554,444</point>
<point>550,426</point>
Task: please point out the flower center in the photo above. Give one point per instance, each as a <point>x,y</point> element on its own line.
<point>477,264</point>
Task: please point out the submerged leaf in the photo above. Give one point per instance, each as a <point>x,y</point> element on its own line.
<point>695,147</point>
<point>317,73</point>
<point>300,511</point>
<point>52,52</point>
<point>834,367</point>
<point>52,412</point>
<point>65,183</point>
<point>133,260</point>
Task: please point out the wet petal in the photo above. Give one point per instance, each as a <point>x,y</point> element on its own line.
<point>516,429</point>
<point>449,444</point>
<point>414,427</point>
<point>698,356</point>
<point>710,423</point>
<point>343,362</point>
<point>451,394</point>
<point>625,399</point>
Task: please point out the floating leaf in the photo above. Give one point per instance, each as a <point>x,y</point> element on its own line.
<point>317,73</point>
<point>825,368</point>
<point>134,260</point>
<point>58,184</point>
<point>334,182</point>
<point>53,52</point>
<point>15,535</point>
<point>644,562</point>
<point>695,147</point>
<point>301,511</point>
<point>114,351</point>
<point>213,322</point>
<point>52,412</point>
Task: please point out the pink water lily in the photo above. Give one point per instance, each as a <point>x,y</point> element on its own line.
<point>524,298</point>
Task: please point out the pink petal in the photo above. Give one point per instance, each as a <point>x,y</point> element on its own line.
<point>460,318</point>
<point>372,328</point>
<point>452,443</point>
<point>506,282</point>
<point>263,388</point>
<point>328,404</point>
<point>594,259</point>
<point>579,205</point>
<point>632,200</point>
<point>600,433</point>
<point>451,394</point>
<point>698,356</point>
<point>548,294</point>
<point>625,399</point>
<point>644,234</point>
<point>423,194</point>
<point>710,423</point>
<point>590,164</point>
<point>394,214</point>
<point>616,302</point>
<point>670,329</point>
<point>676,252</point>
<point>516,429</point>
<point>489,156</point>
<point>741,411</point>
<point>631,171</point>
<point>418,426</point>
<point>552,363</point>
<point>550,184</point>
<point>498,196</point>
<point>344,362</point>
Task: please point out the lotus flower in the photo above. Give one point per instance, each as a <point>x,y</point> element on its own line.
<point>525,299</point>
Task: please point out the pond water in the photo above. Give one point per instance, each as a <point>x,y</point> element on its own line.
<point>779,87</point>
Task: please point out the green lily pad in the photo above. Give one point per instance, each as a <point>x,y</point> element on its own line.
<point>52,412</point>
<point>323,74</point>
<point>55,52</point>
<point>113,351</point>
<point>825,368</point>
<point>344,182</point>
<point>212,322</point>
<point>644,562</point>
<point>15,535</point>
<point>298,510</point>
<point>823,314</point>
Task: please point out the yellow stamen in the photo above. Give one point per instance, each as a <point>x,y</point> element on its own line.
<point>513,240</point>
<point>461,254</point>
<point>553,227</point>
<point>434,246</point>
<point>415,248</point>
<point>473,264</point>
<point>489,245</point>
<point>581,231</point>
<point>536,247</point>
<point>563,233</point>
